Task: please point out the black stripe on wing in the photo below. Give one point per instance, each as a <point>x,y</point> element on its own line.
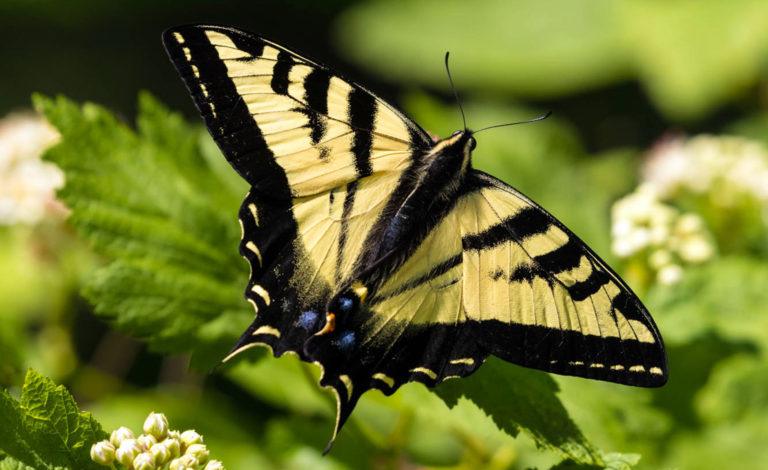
<point>225,113</point>
<point>566,351</point>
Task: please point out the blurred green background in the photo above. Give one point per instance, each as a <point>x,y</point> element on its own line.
<point>655,155</point>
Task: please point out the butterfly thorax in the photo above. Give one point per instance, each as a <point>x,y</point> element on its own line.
<point>438,180</point>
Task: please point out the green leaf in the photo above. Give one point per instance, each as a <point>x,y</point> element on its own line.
<point>691,56</point>
<point>576,44</point>
<point>44,429</point>
<point>737,389</point>
<point>694,56</point>
<point>612,461</point>
<point>13,464</point>
<point>151,201</point>
<point>519,399</point>
<point>726,295</point>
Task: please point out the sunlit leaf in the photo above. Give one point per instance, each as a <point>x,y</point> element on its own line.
<point>45,429</point>
<point>149,201</point>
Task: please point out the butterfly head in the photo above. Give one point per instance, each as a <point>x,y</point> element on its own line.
<point>465,140</point>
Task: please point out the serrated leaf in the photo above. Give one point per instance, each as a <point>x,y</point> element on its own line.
<point>519,399</point>
<point>149,201</point>
<point>45,429</point>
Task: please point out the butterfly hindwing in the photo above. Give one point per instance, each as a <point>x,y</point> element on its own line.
<point>512,281</point>
<point>548,301</point>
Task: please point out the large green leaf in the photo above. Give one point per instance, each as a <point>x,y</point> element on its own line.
<point>152,202</point>
<point>519,399</point>
<point>44,429</point>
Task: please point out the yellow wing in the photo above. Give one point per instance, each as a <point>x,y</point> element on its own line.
<point>289,126</point>
<point>514,282</point>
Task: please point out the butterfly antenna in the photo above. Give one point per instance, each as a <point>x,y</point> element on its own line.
<point>455,93</point>
<point>538,118</point>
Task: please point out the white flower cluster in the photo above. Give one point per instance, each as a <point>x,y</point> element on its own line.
<point>721,173</point>
<point>725,166</point>
<point>27,184</point>
<point>159,448</point>
<point>643,224</point>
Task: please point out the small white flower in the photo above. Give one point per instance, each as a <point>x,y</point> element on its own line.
<point>173,444</point>
<point>689,223</point>
<point>144,461</point>
<point>156,424</point>
<point>695,250</point>
<point>27,183</point>
<point>127,451</point>
<point>621,228</point>
<point>161,454</point>
<point>670,274</point>
<point>214,465</point>
<point>190,437</point>
<point>622,247</point>
<point>185,462</point>
<point>119,435</point>
<point>199,451</point>
<point>660,258</point>
<point>146,441</point>
<point>103,453</point>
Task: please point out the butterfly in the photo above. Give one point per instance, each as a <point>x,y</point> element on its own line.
<point>381,254</point>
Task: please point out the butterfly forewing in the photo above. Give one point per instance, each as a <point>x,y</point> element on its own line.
<point>284,122</point>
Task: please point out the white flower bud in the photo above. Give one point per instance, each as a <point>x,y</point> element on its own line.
<point>185,462</point>
<point>622,247</point>
<point>190,437</point>
<point>146,441</point>
<point>670,274</point>
<point>214,465</point>
<point>144,461</point>
<point>659,234</point>
<point>174,446</point>
<point>127,451</point>
<point>660,258</point>
<point>696,250</point>
<point>103,453</point>
<point>119,435</point>
<point>156,424</point>
<point>621,227</point>
<point>161,454</point>
<point>199,451</point>
<point>689,224</point>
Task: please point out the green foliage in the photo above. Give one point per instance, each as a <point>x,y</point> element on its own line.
<point>44,428</point>
<point>13,464</point>
<point>149,202</point>
<point>521,399</point>
<point>691,56</point>
<point>730,300</point>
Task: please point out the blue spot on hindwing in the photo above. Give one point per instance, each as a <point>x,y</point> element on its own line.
<point>346,341</point>
<point>346,304</point>
<point>307,320</point>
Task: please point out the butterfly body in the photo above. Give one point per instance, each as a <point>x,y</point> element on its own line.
<point>382,255</point>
